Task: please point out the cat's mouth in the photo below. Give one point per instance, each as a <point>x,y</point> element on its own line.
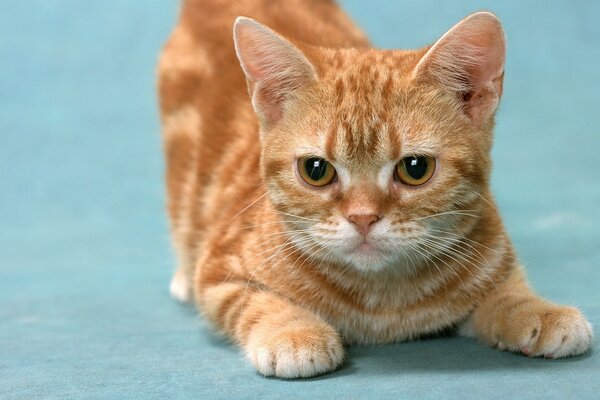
<point>365,247</point>
<point>367,255</point>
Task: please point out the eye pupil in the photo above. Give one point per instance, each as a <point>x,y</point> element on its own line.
<point>416,167</point>
<point>316,168</point>
<point>316,171</point>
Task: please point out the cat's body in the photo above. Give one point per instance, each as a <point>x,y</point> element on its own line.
<point>289,271</point>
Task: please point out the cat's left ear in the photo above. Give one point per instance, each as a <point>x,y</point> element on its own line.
<point>274,68</point>
<point>468,61</point>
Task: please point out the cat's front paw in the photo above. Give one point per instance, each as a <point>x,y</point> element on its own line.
<point>549,331</point>
<point>297,351</point>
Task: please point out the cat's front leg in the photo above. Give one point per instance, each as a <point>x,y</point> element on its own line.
<point>279,338</point>
<point>513,318</point>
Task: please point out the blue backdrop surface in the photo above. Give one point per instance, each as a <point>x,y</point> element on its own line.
<point>84,250</point>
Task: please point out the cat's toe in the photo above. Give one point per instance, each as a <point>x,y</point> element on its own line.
<point>299,352</point>
<point>568,333</point>
<point>555,332</point>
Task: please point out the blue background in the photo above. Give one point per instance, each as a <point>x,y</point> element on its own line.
<point>84,249</point>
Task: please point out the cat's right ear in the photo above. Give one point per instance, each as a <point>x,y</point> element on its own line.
<point>274,68</point>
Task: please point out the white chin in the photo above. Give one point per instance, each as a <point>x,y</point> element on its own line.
<point>367,258</point>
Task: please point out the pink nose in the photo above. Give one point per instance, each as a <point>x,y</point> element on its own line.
<point>363,222</point>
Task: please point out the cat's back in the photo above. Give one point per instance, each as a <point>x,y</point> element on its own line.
<point>198,65</point>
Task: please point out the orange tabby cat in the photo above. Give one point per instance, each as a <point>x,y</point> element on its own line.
<point>346,200</point>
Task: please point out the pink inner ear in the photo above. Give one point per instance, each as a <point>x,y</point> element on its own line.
<point>274,68</point>
<point>254,51</point>
<point>469,60</point>
<point>488,57</point>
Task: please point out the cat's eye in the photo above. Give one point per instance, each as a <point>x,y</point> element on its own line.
<point>316,171</point>
<point>415,170</point>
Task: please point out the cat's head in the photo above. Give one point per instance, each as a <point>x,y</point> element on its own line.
<point>372,157</point>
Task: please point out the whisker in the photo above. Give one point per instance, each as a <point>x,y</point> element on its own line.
<point>471,259</point>
<point>459,240</point>
<point>457,212</point>
<point>281,249</point>
<point>279,235</point>
<point>445,263</point>
<point>313,246</point>
<point>297,216</point>
<point>260,225</point>
<point>446,251</point>
<point>474,242</point>
<point>274,211</point>
<point>427,262</point>
<point>485,200</point>
<point>286,245</point>
<point>247,207</point>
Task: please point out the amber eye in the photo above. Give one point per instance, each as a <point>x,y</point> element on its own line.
<point>415,170</point>
<point>316,171</point>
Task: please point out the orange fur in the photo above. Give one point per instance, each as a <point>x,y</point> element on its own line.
<point>276,265</point>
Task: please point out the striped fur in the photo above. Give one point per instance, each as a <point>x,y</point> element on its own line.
<point>276,265</point>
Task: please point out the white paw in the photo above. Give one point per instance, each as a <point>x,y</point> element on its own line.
<point>298,352</point>
<point>180,287</point>
<point>558,332</point>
